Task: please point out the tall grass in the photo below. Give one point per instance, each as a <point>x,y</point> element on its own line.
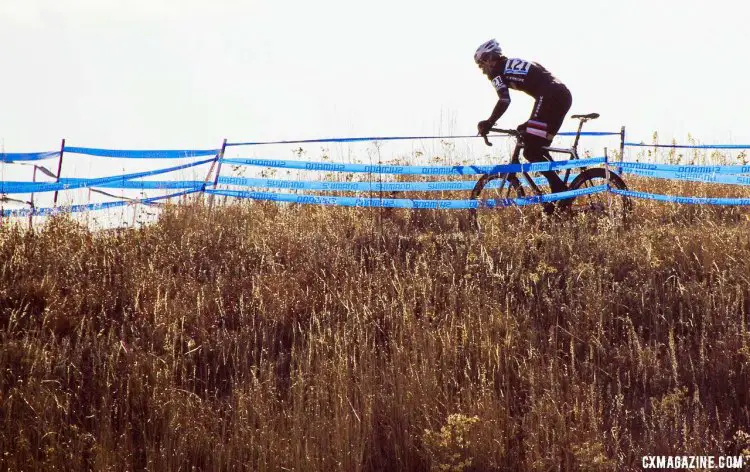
<point>264,337</point>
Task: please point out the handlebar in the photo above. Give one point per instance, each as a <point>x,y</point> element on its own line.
<point>510,132</point>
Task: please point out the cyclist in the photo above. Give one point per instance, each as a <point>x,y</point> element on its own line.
<point>553,100</point>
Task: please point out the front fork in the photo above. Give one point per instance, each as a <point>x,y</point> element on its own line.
<point>516,159</point>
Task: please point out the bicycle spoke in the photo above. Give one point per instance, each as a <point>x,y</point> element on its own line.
<point>498,188</point>
<point>604,202</point>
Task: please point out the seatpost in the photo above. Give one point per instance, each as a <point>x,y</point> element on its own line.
<point>578,135</point>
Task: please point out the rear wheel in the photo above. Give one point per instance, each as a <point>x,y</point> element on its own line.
<point>605,203</point>
<point>491,191</point>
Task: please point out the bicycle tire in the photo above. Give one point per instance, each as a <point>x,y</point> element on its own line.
<point>617,206</point>
<point>482,216</point>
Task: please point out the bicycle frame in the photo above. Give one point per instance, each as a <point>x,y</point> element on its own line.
<point>515,159</point>
<point>572,151</point>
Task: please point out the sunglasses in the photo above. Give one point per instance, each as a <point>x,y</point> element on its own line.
<point>484,59</point>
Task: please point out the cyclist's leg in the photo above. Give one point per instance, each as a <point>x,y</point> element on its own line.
<point>545,121</point>
<point>548,114</point>
<point>533,153</point>
<point>556,110</point>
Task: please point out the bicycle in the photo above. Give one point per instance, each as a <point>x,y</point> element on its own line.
<point>509,185</point>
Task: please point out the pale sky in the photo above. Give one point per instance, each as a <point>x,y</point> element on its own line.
<point>186,74</point>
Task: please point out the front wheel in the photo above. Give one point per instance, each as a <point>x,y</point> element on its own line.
<point>491,193</point>
<point>616,206</point>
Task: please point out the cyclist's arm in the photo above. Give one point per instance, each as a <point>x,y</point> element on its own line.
<point>503,101</point>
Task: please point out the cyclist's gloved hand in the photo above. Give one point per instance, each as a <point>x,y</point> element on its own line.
<point>522,127</point>
<point>483,127</point>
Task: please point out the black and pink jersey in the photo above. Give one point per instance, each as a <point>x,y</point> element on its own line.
<point>526,76</point>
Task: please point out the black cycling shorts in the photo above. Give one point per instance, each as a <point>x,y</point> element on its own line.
<point>549,113</point>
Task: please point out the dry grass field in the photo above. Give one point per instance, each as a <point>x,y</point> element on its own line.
<point>265,337</point>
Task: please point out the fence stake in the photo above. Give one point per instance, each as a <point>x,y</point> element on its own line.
<point>219,157</point>
<point>622,148</point>
<point>31,215</point>
<point>59,169</point>
<point>135,213</point>
<point>609,193</point>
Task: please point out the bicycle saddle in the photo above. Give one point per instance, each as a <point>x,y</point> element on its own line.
<point>590,116</point>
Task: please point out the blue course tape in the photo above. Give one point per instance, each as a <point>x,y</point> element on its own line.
<point>545,198</point>
<point>27,156</point>
<point>404,202</point>
<point>347,201</point>
<point>683,169</point>
<point>692,177</point>
<point>685,200</point>
<point>142,154</point>
<point>88,207</point>
<point>347,186</point>
<point>24,187</point>
<point>590,133</point>
<point>417,170</point>
<point>144,184</point>
<point>399,138</point>
<point>686,146</point>
<point>361,186</point>
<point>186,153</point>
<point>345,140</point>
<point>37,187</point>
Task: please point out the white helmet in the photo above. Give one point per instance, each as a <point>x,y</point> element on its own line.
<point>486,50</point>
